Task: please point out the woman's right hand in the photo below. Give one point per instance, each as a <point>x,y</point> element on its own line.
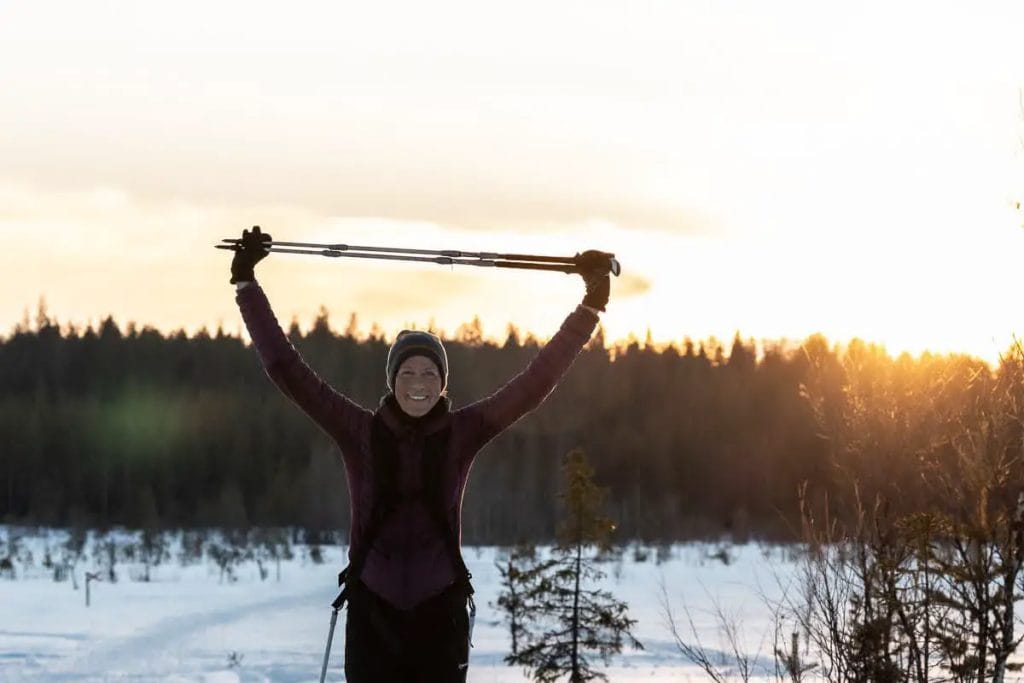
<point>595,268</point>
<point>250,250</point>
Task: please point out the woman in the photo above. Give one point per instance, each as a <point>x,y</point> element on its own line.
<point>407,464</point>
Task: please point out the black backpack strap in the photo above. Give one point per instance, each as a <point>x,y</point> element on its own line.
<point>343,595</point>
<point>384,504</point>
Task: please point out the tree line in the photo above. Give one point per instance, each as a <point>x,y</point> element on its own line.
<point>107,425</point>
<point>911,563</point>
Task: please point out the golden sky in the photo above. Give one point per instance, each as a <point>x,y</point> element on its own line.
<point>775,168</point>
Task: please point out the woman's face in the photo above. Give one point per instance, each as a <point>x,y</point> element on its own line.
<point>417,385</point>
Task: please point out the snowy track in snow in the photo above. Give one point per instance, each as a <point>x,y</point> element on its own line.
<point>174,635</point>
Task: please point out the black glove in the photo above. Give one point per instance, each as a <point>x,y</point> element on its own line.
<point>595,267</point>
<point>253,248</point>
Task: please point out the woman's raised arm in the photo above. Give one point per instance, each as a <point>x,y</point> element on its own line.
<point>335,413</point>
<point>528,389</point>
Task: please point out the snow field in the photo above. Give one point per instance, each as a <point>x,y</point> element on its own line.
<point>186,625</point>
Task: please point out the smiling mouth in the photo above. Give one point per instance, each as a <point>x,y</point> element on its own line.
<point>418,398</point>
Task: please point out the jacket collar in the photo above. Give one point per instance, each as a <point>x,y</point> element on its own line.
<point>402,424</point>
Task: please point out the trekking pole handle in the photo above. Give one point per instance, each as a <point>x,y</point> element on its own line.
<point>585,262</point>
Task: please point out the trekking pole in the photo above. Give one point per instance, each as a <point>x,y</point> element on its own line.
<point>330,637</point>
<point>453,253</point>
<point>447,257</point>
<point>336,605</point>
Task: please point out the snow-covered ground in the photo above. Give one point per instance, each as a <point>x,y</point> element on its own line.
<point>188,625</point>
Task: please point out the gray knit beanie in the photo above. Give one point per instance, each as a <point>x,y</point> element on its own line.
<point>410,343</point>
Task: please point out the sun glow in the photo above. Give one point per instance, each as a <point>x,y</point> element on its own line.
<point>774,170</point>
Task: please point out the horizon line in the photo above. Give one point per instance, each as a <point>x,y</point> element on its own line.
<point>377,332</point>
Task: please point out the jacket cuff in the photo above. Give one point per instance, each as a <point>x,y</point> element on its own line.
<point>582,321</point>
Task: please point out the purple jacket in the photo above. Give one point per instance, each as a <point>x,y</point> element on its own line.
<point>408,561</point>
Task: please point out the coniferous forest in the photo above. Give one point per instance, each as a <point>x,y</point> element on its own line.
<point>113,425</point>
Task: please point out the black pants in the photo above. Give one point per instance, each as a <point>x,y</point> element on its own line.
<point>428,644</point>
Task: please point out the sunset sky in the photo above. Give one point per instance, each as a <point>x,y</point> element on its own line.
<point>776,168</point>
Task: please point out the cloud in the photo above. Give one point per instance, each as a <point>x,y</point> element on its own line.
<point>497,190</point>
<point>627,285</point>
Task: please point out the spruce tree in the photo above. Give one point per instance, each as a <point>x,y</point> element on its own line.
<point>518,577</point>
<point>567,617</point>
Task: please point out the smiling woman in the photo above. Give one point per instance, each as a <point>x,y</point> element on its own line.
<point>409,594</point>
<point>417,371</point>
